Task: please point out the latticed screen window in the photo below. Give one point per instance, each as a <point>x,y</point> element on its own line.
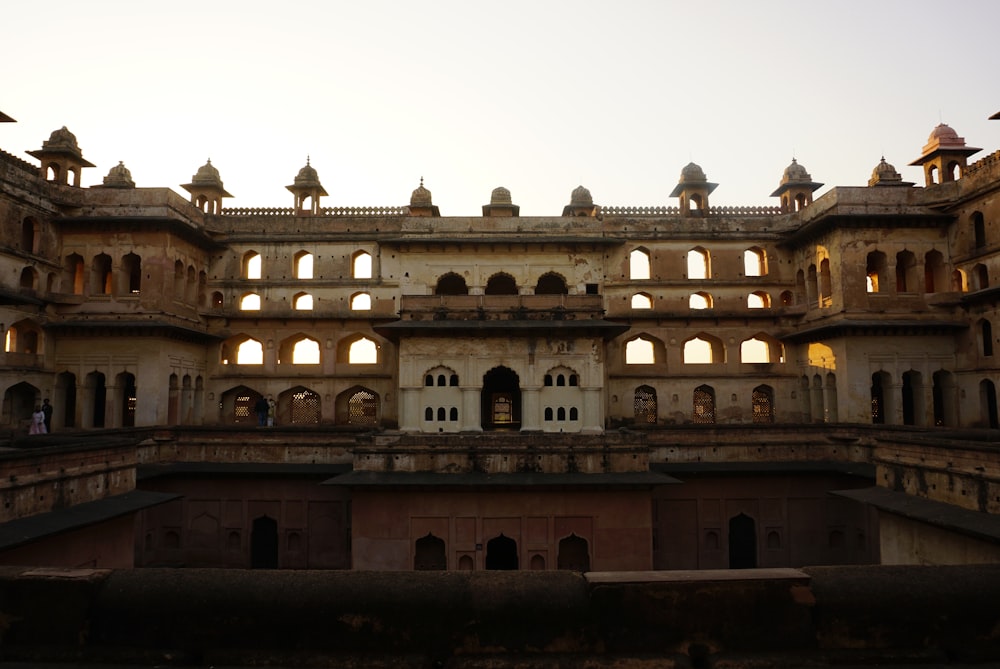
<point>305,407</point>
<point>645,405</point>
<point>763,406</point>
<point>243,408</point>
<point>362,408</point>
<point>704,405</point>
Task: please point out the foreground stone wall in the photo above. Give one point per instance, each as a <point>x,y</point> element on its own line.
<point>821,616</point>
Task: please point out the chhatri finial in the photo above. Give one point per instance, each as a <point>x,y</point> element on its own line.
<point>307,159</point>
<point>421,182</point>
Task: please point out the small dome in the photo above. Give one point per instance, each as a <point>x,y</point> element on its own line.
<point>119,177</point>
<point>307,176</point>
<point>943,132</point>
<point>581,197</point>
<point>692,172</point>
<point>421,197</point>
<point>61,140</point>
<point>885,174</point>
<point>207,175</point>
<point>500,196</point>
<point>795,172</point>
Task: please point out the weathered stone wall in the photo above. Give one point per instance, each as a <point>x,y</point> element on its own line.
<point>827,616</point>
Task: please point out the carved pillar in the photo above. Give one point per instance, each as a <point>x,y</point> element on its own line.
<point>530,410</point>
<point>409,410</point>
<point>471,410</point>
<point>593,418</point>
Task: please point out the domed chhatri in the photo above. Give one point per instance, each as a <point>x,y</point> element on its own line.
<point>693,190</point>
<point>61,158</point>
<point>501,204</point>
<point>796,188</point>
<point>206,189</point>
<point>307,190</point>
<point>885,174</point>
<point>119,177</point>
<point>421,203</point>
<point>581,203</point>
<point>944,156</point>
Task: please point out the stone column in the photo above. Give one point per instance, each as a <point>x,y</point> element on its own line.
<point>593,417</point>
<point>472,420</point>
<point>530,410</point>
<point>409,410</point>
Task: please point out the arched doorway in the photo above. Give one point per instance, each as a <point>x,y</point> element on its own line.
<point>264,543</point>
<point>501,400</point>
<point>501,553</point>
<point>65,400</point>
<point>574,554</point>
<point>742,542</point>
<point>429,554</point>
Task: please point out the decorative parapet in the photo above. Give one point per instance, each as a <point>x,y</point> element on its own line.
<point>675,211</point>
<point>17,162</point>
<point>984,163</point>
<point>324,211</point>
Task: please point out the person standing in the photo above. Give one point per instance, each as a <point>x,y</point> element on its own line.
<point>37,421</point>
<point>270,412</point>
<point>47,410</point>
<point>261,407</point>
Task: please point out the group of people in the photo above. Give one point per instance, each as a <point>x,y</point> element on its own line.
<point>265,412</point>
<point>41,419</point>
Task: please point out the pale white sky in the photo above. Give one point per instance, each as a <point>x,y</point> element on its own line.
<point>536,96</point>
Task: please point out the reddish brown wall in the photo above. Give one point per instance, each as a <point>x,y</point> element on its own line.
<point>797,521</point>
<point>616,525</point>
<point>211,525</point>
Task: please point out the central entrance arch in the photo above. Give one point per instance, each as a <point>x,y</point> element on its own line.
<point>501,400</point>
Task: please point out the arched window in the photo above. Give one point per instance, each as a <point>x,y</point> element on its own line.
<point>451,284</point>
<point>644,405</point>
<point>441,380</point>
<point>361,302</point>
<point>303,265</point>
<point>906,272</point>
<point>698,264</point>
<point>988,404</point>
<point>250,302</point>
<point>825,284</point>
<point>441,414</point>
<point>754,351</point>
<point>29,235</point>
<point>642,301</point>
<point>935,272</point>
<point>249,352</point>
<point>305,352</point>
<point>429,554</point>
<point>101,281</point>
<point>561,380</point>
<point>362,406</point>
<point>875,272</point>
<point>217,300</point>
<point>639,351</point>
<point>754,262</point>
<point>453,380</point>
<point>428,414</point>
<point>547,380</point>
<point>132,274</point>
<point>574,414</point>
<point>304,406</point>
<point>548,413</point>
<point>762,400</point>
<point>700,300</point>
<point>453,414</point>
<point>302,302</point>
<point>501,284</point>
<point>29,279</point>
<point>364,351</point>
<point>561,413</point>
<point>699,351</point>
<point>551,284</point>
<point>252,265</point>
<point>75,273</point>
<point>986,337</point>
<point>979,229</point>
<point>429,381</point>
<point>638,264</point>
<point>759,300</point>
<point>703,405</point>
<point>981,277</point>
<point>361,265</point>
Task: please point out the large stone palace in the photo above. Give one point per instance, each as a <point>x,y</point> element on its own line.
<point>607,387</point>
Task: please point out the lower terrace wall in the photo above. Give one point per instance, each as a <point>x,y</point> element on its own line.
<point>817,617</point>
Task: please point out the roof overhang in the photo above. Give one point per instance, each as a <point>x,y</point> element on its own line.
<point>533,480</point>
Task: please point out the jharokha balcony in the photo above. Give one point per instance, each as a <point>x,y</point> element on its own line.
<point>428,314</point>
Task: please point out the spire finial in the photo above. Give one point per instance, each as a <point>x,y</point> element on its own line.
<point>308,158</point>
<point>421,182</point>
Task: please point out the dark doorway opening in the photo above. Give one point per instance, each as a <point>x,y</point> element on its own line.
<point>264,543</point>
<point>742,542</point>
<point>574,554</point>
<point>501,400</point>
<point>429,554</point>
<point>501,553</point>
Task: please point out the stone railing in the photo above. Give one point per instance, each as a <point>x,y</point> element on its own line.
<point>324,211</point>
<point>17,162</point>
<point>983,163</point>
<point>676,211</point>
